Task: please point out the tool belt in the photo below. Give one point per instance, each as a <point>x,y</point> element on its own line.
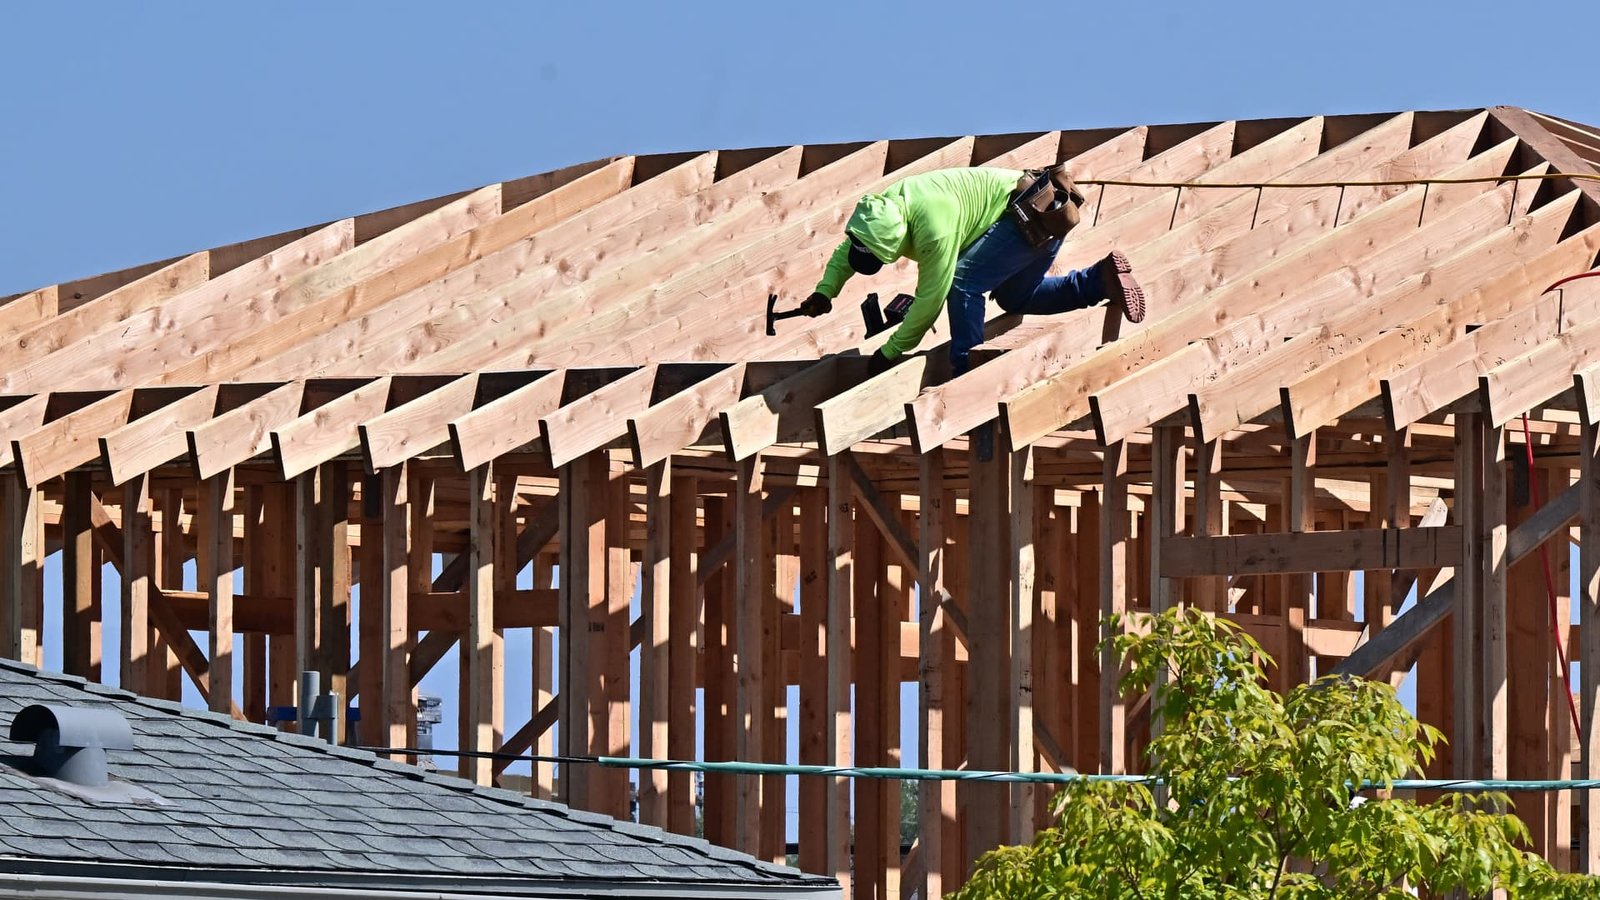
<point>1045,205</point>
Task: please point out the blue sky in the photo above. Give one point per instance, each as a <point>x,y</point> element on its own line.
<point>131,132</point>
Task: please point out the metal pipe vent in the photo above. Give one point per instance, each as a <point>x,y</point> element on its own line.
<point>70,743</point>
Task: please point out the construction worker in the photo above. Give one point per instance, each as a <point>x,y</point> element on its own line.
<point>960,228</point>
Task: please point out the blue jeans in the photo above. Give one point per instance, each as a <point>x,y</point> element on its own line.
<point>1002,262</point>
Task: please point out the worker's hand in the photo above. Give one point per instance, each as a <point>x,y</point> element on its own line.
<point>816,305</point>
<point>879,363</point>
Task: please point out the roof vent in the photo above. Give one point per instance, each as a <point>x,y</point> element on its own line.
<point>70,743</point>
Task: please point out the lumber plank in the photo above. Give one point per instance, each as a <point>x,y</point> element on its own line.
<point>1521,123</point>
<point>214,564</point>
<point>1312,551</point>
<point>505,423</point>
<point>419,425</point>
<point>126,353</point>
<point>1410,627</point>
<point>329,334</point>
<point>1524,382</point>
<point>682,419</point>
<point>1254,388</point>
<point>1398,356</point>
<point>72,439</point>
<point>159,438</point>
<point>333,428</point>
<point>1588,655</point>
<point>884,515</point>
<point>25,415</point>
<point>49,334</point>
<point>484,673</point>
<point>784,412</point>
<point>1063,397</point>
<point>544,299</point>
<point>597,418</point>
<point>222,344</point>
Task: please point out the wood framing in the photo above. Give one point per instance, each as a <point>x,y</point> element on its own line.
<point>547,414</point>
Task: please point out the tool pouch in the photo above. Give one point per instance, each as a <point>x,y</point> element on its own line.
<point>1045,205</point>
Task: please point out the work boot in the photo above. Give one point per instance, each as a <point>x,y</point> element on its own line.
<point>1116,279</point>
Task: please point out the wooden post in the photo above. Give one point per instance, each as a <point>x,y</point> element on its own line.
<point>839,656</point>
<point>721,612</point>
<point>783,575</point>
<point>1212,593</point>
<point>936,799</point>
<point>1114,565</point>
<point>1020,580</point>
<point>396,710</point>
<point>655,663</point>
<point>1531,660</point>
<point>322,583</point>
<point>80,580</point>
<point>753,592</point>
<point>612,707</point>
<point>1087,685</point>
<point>1494,701</point>
<point>683,648</point>
<point>1589,654</point>
<point>371,639</point>
<point>1164,522</point>
<point>988,639</point>
<point>171,553</point>
<point>583,579</point>
<point>138,568</point>
<point>871,719</point>
<point>1469,598</point>
<point>215,567</point>
<point>1301,593</point>
<point>483,680</point>
<point>254,550</point>
<point>23,561</point>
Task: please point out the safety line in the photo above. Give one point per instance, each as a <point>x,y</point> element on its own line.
<point>905,774</point>
<point>1392,182</point>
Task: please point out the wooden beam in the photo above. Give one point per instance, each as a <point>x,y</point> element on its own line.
<point>839,664</point>
<point>1496,563</point>
<point>215,568</point>
<point>483,676</point>
<point>1256,387</point>
<point>655,663</point>
<point>937,812</point>
<point>1324,551</point>
<point>136,571</point>
<point>1164,345</point>
<point>80,581</point>
<point>884,515</point>
<point>751,575</point>
<point>989,639</point>
<point>1115,562</point>
<point>506,423</point>
<point>1518,385</point>
<point>1398,356</point>
<point>1588,655</point>
<point>22,555</point>
<point>128,354</point>
<point>683,648</point>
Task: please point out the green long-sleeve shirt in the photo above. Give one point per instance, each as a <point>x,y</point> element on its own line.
<point>929,218</point>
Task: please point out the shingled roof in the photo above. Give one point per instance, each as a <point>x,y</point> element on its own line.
<point>247,804</point>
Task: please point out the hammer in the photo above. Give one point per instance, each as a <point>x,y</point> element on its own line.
<point>773,316</point>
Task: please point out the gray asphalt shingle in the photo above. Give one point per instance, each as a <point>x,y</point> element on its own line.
<point>242,796</point>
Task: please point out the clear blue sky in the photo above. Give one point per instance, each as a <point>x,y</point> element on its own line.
<point>130,132</point>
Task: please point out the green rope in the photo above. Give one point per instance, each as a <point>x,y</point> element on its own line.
<point>743,768</point>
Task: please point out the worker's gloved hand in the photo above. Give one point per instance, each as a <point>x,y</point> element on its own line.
<point>816,305</point>
<point>879,363</point>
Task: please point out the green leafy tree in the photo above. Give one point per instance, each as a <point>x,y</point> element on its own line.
<point>1262,796</point>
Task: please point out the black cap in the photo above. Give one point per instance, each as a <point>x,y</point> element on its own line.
<point>864,261</point>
